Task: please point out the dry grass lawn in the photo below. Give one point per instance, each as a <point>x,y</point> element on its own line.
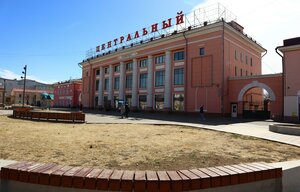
<point>133,147</point>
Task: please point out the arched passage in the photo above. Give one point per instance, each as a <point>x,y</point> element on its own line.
<point>259,107</point>
<point>253,85</point>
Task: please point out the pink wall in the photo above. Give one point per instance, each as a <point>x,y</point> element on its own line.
<point>292,69</point>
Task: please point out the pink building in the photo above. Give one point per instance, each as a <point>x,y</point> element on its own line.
<point>67,94</point>
<point>178,71</point>
<point>291,80</point>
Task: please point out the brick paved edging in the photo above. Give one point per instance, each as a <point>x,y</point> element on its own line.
<point>124,180</point>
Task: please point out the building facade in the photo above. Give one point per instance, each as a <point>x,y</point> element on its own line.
<point>68,93</point>
<point>177,71</point>
<point>291,80</point>
<point>32,97</point>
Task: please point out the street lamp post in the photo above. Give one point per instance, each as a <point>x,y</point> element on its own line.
<point>24,73</point>
<point>4,92</point>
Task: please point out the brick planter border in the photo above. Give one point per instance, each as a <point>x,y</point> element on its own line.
<point>124,180</point>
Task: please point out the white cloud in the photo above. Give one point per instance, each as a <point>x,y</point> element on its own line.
<point>7,74</point>
<point>269,22</point>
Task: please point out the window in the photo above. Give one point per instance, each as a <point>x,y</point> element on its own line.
<point>178,76</point>
<point>97,85</point>
<point>160,59</point>
<point>106,84</point>
<point>178,102</point>
<point>116,83</point>
<point>128,82</point>
<point>251,74</point>
<point>159,102</point>
<point>246,73</point>
<point>128,99</point>
<point>246,59</point>
<point>106,70</point>
<point>179,56</point>
<point>235,71</point>
<point>202,51</point>
<point>241,57</point>
<point>159,78</point>
<point>235,54</point>
<point>97,72</point>
<point>251,61</point>
<point>117,68</point>
<point>129,66</point>
<point>143,80</point>
<point>241,72</point>
<point>143,63</point>
<point>143,101</point>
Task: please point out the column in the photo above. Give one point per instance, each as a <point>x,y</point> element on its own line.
<point>122,81</point>
<point>134,84</point>
<point>168,81</point>
<point>149,83</point>
<point>110,84</point>
<point>100,92</point>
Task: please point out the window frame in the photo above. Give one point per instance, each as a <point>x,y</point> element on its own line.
<point>159,80</point>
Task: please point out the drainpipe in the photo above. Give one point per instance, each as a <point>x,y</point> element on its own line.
<point>283,80</point>
<point>223,68</point>
<point>186,71</point>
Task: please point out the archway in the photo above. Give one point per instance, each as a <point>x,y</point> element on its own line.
<point>255,99</point>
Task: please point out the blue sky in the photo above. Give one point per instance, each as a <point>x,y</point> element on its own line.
<point>52,36</point>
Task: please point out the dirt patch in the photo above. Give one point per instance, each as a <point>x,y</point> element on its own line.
<point>133,146</point>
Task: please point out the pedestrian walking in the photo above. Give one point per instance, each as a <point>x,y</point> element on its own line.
<point>126,110</point>
<point>122,111</point>
<point>202,112</point>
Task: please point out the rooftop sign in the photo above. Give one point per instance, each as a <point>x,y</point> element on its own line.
<point>181,22</point>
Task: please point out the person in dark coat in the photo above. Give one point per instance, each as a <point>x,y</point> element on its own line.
<point>126,110</point>
<point>202,112</point>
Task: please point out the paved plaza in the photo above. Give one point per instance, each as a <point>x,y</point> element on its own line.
<point>255,128</point>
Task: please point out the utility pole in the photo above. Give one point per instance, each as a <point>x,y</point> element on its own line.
<point>4,92</point>
<point>24,73</point>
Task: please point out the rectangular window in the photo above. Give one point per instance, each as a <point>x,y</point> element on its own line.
<point>178,102</point>
<point>97,72</point>
<point>241,72</point>
<point>128,83</point>
<point>235,54</point>
<point>143,63</point>
<point>241,56</point>
<point>143,101</point>
<point>202,51</point>
<point>179,55</point>
<point>106,70</point>
<point>160,59</point>
<point>106,84</point>
<point>251,61</point>
<point>128,99</point>
<point>159,102</point>
<point>178,76</point>
<point>235,71</point>
<point>129,66</point>
<point>97,85</point>
<point>143,80</point>
<point>246,73</point>
<point>117,68</point>
<point>96,101</point>
<point>251,74</point>
<point>246,59</point>
<point>159,78</point>
<point>116,83</point>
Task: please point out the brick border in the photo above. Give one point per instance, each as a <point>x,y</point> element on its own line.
<point>77,117</point>
<point>120,180</point>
